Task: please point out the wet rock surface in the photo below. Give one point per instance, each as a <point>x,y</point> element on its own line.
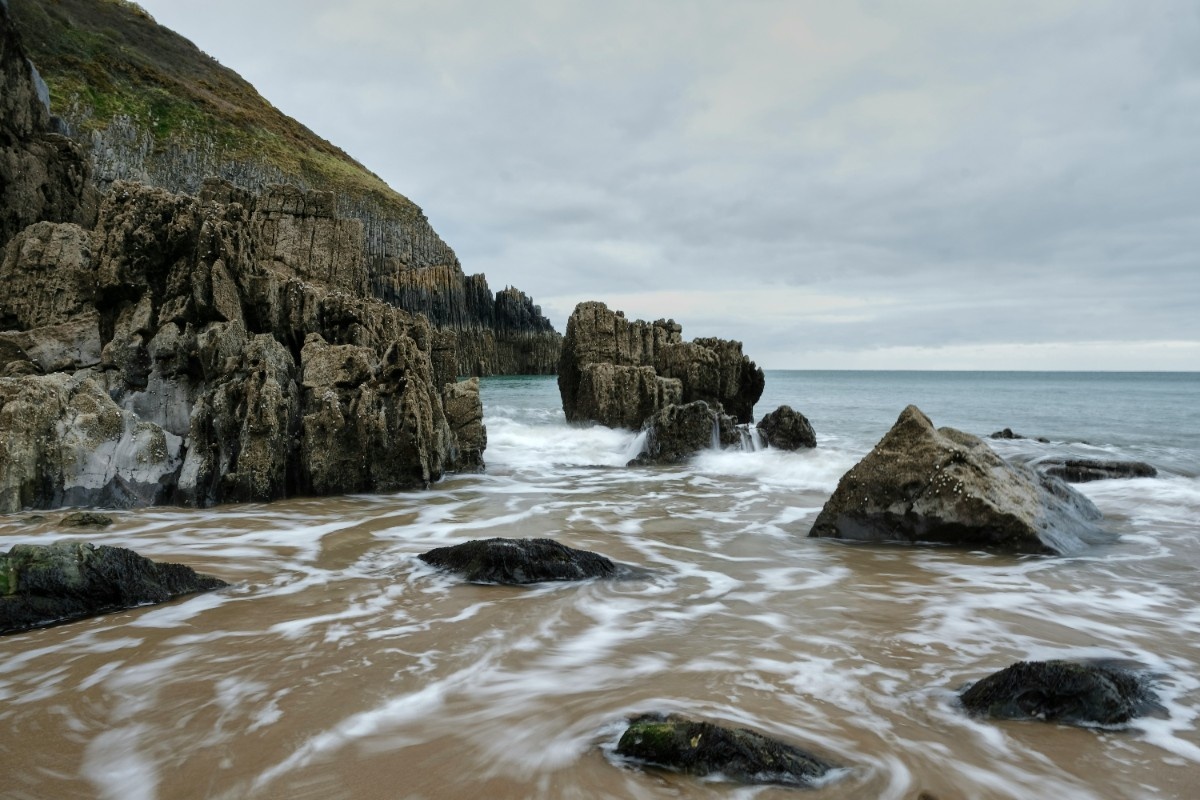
<point>676,433</point>
<point>787,429</point>
<point>673,742</point>
<point>519,561</point>
<point>1062,691</point>
<point>1083,470</point>
<point>942,486</point>
<point>43,585</point>
<point>619,372</point>
<point>217,371</point>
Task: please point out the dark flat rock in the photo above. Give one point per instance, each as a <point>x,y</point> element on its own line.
<point>700,748</point>
<point>519,561</point>
<point>1076,693</point>
<point>41,585</point>
<point>1082,470</point>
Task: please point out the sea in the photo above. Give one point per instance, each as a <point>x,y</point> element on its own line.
<point>338,665</point>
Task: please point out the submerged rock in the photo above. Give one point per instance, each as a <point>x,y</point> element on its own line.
<point>787,429</point>
<point>1061,691</point>
<point>519,561</point>
<point>676,433</point>
<point>943,486</point>
<point>87,519</point>
<point>1082,470</point>
<point>702,748</point>
<point>1007,433</point>
<point>44,584</point>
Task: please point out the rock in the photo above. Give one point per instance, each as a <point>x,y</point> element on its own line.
<point>87,519</point>
<point>344,230</point>
<point>464,413</point>
<point>1007,433</point>
<point>63,441</point>
<point>1062,691</point>
<point>42,585</point>
<point>786,429</point>
<point>618,372</point>
<point>676,433</point>
<point>43,175</point>
<point>702,748</point>
<point>1082,470</point>
<point>921,485</point>
<point>519,561</point>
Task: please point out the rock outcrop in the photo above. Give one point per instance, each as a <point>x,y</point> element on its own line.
<point>677,432</point>
<point>698,748</point>
<point>1062,691</point>
<point>618,373</point>
<point>140,105</point>
<point>787,429</point>
<point>943,486</point>
<point>241,360</point>
<point>42,585</point>
<point>519,561</point>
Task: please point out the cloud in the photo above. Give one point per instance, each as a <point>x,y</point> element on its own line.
<point>986,176</point>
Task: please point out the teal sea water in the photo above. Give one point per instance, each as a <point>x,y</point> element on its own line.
<point>340,666</point>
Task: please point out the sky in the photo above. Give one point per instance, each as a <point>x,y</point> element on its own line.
<point>839,185</point>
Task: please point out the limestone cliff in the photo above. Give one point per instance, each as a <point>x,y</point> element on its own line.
<point>195,350</point>
<point>146,105</point>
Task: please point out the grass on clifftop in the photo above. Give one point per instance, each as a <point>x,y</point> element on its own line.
<point>108,58</point>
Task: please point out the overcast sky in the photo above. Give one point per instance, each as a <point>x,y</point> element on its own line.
<point>955,185</point>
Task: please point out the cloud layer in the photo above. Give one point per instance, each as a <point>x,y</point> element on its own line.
<point>917,185</point>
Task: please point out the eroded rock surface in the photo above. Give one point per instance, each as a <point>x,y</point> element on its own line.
<point>1062,691</point>
<point>701,748</point>
<point>619,372</point>
<point>519,561</point>
<point>45,584</point>
<point>925,485</point>
<point>676,433</point>
<point>231,376</point>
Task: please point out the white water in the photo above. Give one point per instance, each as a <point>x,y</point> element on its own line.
<point>340,666</point>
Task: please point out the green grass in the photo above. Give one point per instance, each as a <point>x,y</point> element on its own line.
<point>104,59</point>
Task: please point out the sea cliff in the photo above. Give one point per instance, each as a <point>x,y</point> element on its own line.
<point>146,105</point>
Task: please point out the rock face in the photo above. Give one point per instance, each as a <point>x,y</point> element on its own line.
<point>373,242</point>
<point>241,360</point>
<point>921,485</point>
<point>1061,691</point>
<point>43,175</point>
<point>676,433</point>
<point>519,561</point>
<point>1082,470</point>
<point>44,584</point>
<point>786,429</point>
<point>618,372</point>
<point>702,748</point>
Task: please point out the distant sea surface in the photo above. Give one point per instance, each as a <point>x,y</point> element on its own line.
<point>340,666</point>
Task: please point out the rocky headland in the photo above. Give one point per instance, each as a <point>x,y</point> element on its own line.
<point>143,104</point>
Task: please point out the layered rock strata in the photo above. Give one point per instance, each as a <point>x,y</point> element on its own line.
<point>181,117</point>
<point>619,372</point>
<point>215,348</point>
<point>942,486</point>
